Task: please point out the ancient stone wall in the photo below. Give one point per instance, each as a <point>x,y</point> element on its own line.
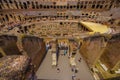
<point>8,45</point>
<point>92,48</point>
<point>111,55</point>
<point>35,48</point>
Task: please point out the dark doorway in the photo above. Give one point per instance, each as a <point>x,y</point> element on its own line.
<point>25,5</point>
<point>1,55</point>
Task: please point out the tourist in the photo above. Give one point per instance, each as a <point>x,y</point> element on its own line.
<point>58,70</point>
<point>73,77</point>
<point>73,69</point>
<point>47,46</point>
<point>79,60</point>
<point>76,70</point>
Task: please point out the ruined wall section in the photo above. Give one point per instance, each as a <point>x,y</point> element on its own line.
<point>92,48</point>
<point>35,48</point>
<point>111,55</point>
<point>8,45</point>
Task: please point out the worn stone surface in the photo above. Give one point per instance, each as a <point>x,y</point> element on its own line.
<point>92,49</point>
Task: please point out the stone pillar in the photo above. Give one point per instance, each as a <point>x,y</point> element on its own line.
<point>2,52</point>
<point>20,46</point>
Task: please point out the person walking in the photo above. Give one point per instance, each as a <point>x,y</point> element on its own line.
<point>58,70</point>
<point>73,77</point>
<point>79,60</point>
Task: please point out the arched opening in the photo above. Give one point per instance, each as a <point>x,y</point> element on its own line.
<point>97,6</point>
<point>47,6</point>
<point>28,2</point>
<point>74,6</point>
<point>21,5</point>
<point>10,1</point>
<point>3,19</point>
<point>0,1</point>
<point>33,6</point>
<point>57,7</point>
<point>70,7</point>
<point>16,4</point>
<point>41,6</point>
<point>85,7</point>
<point>11,16</point>
<point>101,6</point>
<point>7,17</point>
<point>106,6</point>
<point>54,7</point>
<point>0,7</point>
<point>93,6</point>
<point>64,7</point>
<point>110,6</point>
<point>19,18</point>
<point>77,6</point>
<point>1,55</point>
<point>25,5</point>
<point>7,5</point>
<point>81,6</point>
<point>37,6</point>
<point>61,7</point>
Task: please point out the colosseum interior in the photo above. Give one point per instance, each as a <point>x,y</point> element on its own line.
<point>59,39</point>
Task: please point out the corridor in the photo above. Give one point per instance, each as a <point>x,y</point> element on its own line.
<point>47,72</point>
